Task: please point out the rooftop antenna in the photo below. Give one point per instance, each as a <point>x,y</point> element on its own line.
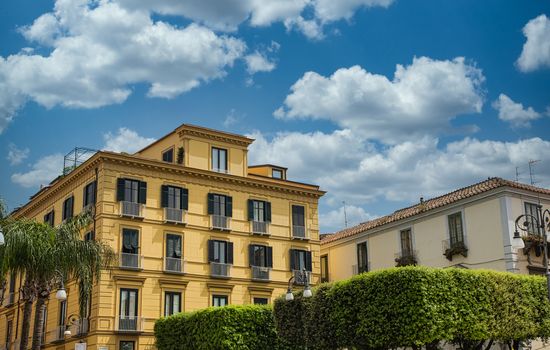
<point>517,174</point>
<point>345,215</point>
<point>532,164</point>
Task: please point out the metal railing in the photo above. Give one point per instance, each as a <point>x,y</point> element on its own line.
<point>129,324</point>
<point>174,265</point>
<point>174,215</point>
<point>357,269</point>
<point>219,222</point>
<point>260,273</point>
<point>219,269</point>
<point>80,327</point>
<point>9,299</point>
<point>131,209</point>
<point>301,277</point>
<point>130,261</point>
<point>299,232</point>
<point>260,227</point>
<point>406,258</point>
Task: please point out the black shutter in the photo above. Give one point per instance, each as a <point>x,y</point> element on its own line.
<point>94,193</point>
<point>84,196</point>
<point>142,196</point>
<point>229,252</point>
<point>184,199</point>
<point>292,260</point>
<point>228,206</point>
<point>52,218</point>
<point>210,203</point>
<point>251,255</point>
<point>269,256</point>
<point>163,196</point>
<point>71,207</point>
<point>250,210</point>
<point>120,189</point>
<point>210,250</point>
<point>47,218</point>
<point>268,211</point>
<point>308,261</point>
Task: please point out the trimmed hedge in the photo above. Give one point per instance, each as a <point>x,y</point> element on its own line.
<point>415,306</point>
<point>230,327</point>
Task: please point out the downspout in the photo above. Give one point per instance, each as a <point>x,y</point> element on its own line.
<point>18,304</point>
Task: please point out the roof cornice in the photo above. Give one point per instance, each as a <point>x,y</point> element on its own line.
<point>210,134</point>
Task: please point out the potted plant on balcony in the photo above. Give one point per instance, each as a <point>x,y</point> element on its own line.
<point>455,249</point>
<point>406,259</point>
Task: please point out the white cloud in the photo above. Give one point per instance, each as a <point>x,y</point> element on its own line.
<point>125,140</point>
<point>421,99</point>
<point>330,10</point>
<point>16,155</point>
<point>514,113</point>
<point>49,167</point>
<point>359,172</point>
<point>311,28</point>
<point>335,220</point>
<point>258,62</point>
<point>104,50</point>
<point>42,172</point>
<point>536,50</point>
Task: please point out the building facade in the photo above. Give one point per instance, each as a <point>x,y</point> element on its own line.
<point>472,227</point>
<point>194,226</point>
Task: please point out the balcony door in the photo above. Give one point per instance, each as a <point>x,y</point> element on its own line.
<point>128,309</point>
<point>130,248</point>
<point>173,252</point>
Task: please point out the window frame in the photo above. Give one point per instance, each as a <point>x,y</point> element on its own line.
<point>215,162</point>
<point>170,235</point>
<point>220,296</point>
<point>171,152</point>
<point>254,299</point>
<point>298,215</point>
<point>137,249</point>
<point>136,302</point>
<point>62,313</point>
<point>532,227</point>
<point>89,194</point>
<point>280,171</point>
<point>126,341</point>
<point>409,240</point>
<point>169,303</point>
<point>362,257</point>
<point>67,211</point>
<point>455,237</point>
<point>324,276</point>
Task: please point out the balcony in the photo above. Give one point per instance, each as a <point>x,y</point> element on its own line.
<point>58,334</point>
<point>80,327</point>
<point>406,258</point>
<point>174,265</point>
<point>260,228</point>
<point>130,261</point>
<point>260,273</point>
<point>131,209</point>
<point>357,269</point>
<point>9,299</point>
<point>220,270</point>
<point>129,324</point>
<point>301,277</point>
<point>174,216</point>
<point>453,247</point>
<point>219,222</point>
<point>299,232</point>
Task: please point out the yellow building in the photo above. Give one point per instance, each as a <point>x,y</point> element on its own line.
<point>194,226</point>
<point>469,228</point>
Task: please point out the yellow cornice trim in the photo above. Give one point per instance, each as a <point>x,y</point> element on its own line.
<point>260,289</point>
<point>221,285</point>
<point>165,282</point>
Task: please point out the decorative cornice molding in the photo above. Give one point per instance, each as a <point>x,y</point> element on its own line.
<point>211,285</point>
<point>213,135</point>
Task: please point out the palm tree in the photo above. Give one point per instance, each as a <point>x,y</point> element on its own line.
<point>69,258</point>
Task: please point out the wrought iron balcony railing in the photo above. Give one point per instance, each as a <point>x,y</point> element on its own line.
<point>130,261</point>
<point>175,265</point>
<point>452,247</point>
<point>301,277</point>
<point>260,273</point>
<point>220,269</point>
<point>220,222</point>
<point>131,209</point>
<point>129,324</point>
<point>299,232</point>
<point>406,258</point>
<point>174,215</point>
<point>260,227</point>
<point>80,327</point>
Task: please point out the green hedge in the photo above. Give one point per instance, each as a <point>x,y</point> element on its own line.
<point>415,306</point>
<point>230,327</point>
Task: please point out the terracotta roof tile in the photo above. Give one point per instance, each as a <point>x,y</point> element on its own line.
<point>430,204</point>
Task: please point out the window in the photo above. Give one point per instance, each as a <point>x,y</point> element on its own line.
<point>128,309</point>
<point>172,303</point>
<point>219,300</point>
<point>298,221</point>
<point>174,197</point>
<point>531,210</point>
<point>260,301</point>
<point>259,211</point>
<point>49,218</point>
<point>362,258</point>
<point>277,173</point>
<point>89,194</point>
<point>406,242</point>
<point>89,236</point>
<point>260,255</point>
<point>133,191</point>
<point>300,260</point>
<point>324,268</point>
<point>456,233</point>
<point>127,345</point>
<point>173,253</point>
<point>220,205</point>
<point>13,280</point>
<point>62,313</point>
<point>9,328</point>
<point>219,159</point>
<point>130,249</point>
<point>168,156</point>
<point>67,212</point>
<point>220,252</point>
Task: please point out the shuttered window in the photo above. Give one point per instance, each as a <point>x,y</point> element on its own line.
<point>259,211</point>
<point>219,204</point>
<point>130,241</point>
<point>89,194</point>
<point>49,218</point>
<point>220,252</point>
<point>173,246</point>
<point>174,197</point>
<point>300,260</point>
<point>133,191</point>
<point>168,156</point>
<point>68,206</point>
<point>298,215</point>
<point>260,255</point>
<point>406,242</point>
<point>362,257</point>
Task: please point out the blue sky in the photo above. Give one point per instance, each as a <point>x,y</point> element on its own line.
<point>378,101</point>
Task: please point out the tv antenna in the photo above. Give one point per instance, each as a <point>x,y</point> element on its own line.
<point>345,215</point>
<point>532,164</point>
